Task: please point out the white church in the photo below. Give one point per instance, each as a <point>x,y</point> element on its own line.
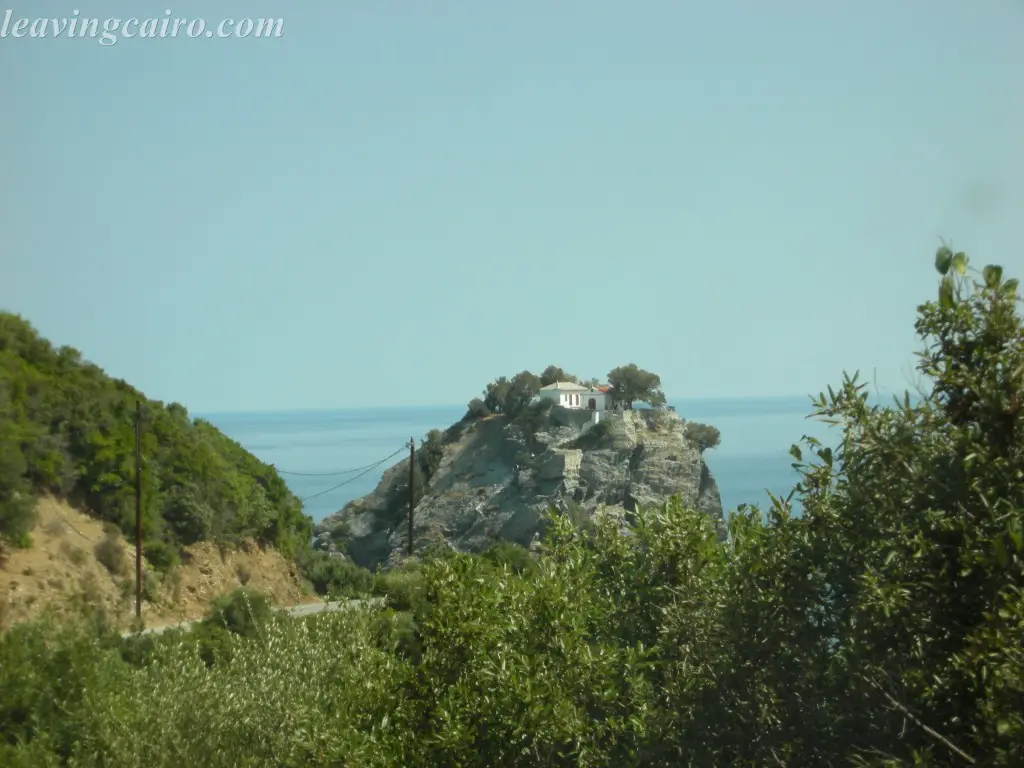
<point>570,395</point>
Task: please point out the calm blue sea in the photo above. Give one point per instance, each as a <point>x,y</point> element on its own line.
<point>753,457</point>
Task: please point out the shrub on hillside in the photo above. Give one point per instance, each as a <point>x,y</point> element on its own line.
<point>17,517</point>
<point>533,416</point>
<point>160,554</point>
<point>454,432</point>
<point>431,453</point>
<point>110,554</point>
<point>704,435</point>
<point>334,576</point>
<point>476,409</point>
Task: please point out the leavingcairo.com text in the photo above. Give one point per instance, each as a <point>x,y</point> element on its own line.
<point>108,31</point>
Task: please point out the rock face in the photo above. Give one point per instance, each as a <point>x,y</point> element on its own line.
<point>497,478</point>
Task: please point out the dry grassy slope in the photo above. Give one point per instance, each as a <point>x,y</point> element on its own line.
<point>61,570</point>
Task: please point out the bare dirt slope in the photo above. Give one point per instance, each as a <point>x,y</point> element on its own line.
<point>65,568</point>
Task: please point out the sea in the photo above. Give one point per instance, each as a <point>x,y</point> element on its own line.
<point>329,458</point>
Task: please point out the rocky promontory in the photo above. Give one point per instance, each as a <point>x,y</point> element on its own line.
<point>494,477</point>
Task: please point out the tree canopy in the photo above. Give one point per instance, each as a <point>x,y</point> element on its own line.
<point>553,374</point>
<point>633,384</point>
<point>704,435</point>
<point>67,428</point>
<point>507,396</point>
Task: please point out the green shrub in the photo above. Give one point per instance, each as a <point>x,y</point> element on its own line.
<point>110,554</point>
<point>45,671</point>
<point>397,632</point>
<point>506,553</point>
<point>243,612</point>
<point>160,554</point>
<point>313,693</point>
<point>214,643</point>
<point>404,587</point>
<point>334,576</point>
<point>532,416</point>
<point>431,453</point>
<point>476,409</point>
<point>704,435</point>
<point>151,581</point>
<point>17,518</point>
<point>140,649</point>
<point>455,431</point>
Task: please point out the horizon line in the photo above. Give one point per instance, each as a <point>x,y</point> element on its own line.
<point>449,406</point>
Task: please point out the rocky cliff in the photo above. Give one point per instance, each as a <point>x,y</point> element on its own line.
<point>494,478</point>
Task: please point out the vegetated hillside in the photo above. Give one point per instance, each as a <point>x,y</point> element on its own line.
<point>67,429</point>
<point>78,564</point>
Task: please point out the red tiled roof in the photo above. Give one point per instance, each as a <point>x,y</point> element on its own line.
<point>603,389</point>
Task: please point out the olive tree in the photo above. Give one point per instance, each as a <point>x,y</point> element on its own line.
<point>632,384</point>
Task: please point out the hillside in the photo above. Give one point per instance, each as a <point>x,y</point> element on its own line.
<point>494,477</point>
<point>74,562</point>
<point>67,430</point>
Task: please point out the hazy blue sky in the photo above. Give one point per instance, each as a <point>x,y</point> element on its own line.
<point>396,202</point>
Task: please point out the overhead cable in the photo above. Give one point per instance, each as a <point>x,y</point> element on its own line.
<point>368,469</point>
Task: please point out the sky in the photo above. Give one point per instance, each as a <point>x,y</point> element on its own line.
<point>394,202</point>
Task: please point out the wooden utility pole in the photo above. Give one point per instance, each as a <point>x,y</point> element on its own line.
<point>412,486</point>
<point>138,509</point>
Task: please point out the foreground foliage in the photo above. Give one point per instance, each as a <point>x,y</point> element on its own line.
<point>884,626</point>
<point>67,428</point>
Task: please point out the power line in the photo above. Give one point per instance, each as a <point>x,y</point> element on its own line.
<point>353,479</point>
<point>332,474</point>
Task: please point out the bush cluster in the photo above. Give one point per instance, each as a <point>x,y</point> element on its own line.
<point>332,576</point>
<point>704,435</point>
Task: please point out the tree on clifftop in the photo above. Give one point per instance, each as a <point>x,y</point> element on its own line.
<point>510,396</point>
<point>632,384</point>
<point>553,374</point>
<point>704,435</point>
<point>496,394</point>
<point>522,389</point>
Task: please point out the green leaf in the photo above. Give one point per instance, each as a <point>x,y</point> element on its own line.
<point>825,454</point>
<point>1013,528</point>
<point>796,453</point>
<point>960,263</point>
<point>1010,286</point>
<point>943,260</point>
<point>993,275</point>
<point>946,293</point>
<point>1002,557</point>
